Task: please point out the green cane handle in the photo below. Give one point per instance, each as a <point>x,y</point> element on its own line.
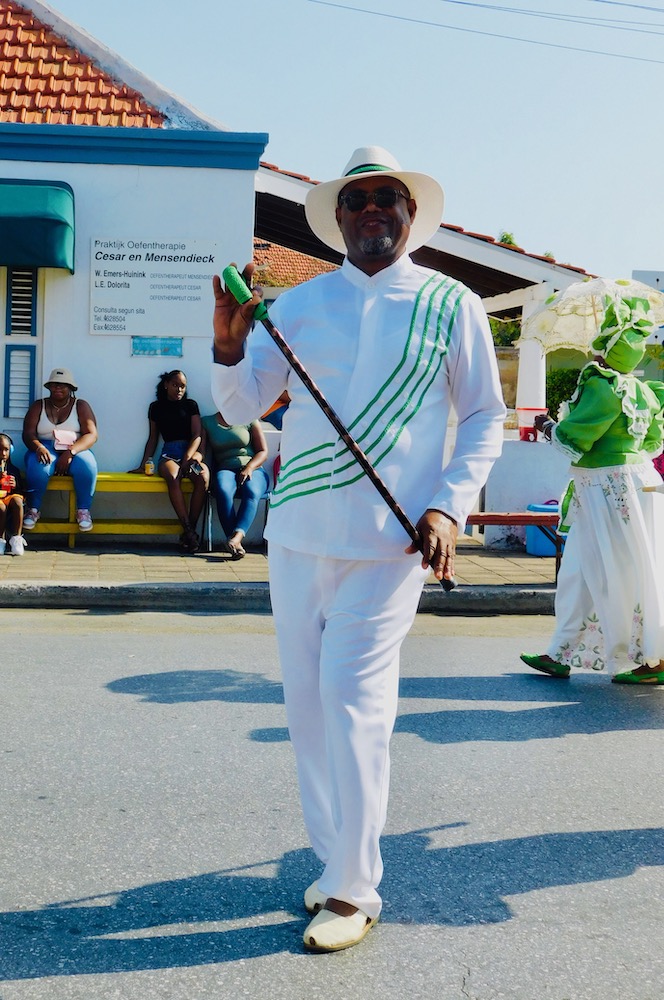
<point>240,291</point>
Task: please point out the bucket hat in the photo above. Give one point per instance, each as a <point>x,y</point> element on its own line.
<point>61,375</point>
<point>373,161</point>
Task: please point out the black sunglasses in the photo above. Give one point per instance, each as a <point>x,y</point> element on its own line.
<point>382,197</point>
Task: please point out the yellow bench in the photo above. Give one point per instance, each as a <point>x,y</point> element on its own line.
<point>111,482</point>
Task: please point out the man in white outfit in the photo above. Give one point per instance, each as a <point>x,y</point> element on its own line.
<point>392,346</point>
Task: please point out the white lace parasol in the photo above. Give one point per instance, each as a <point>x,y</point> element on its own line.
<point>572,318</point>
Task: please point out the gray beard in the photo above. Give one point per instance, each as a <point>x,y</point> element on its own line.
<point>377,245</point>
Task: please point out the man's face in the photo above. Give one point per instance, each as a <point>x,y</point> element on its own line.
<point>376,237</point>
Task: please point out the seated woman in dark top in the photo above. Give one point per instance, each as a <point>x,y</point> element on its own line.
<point>177,419</point>
<point>238,451</point>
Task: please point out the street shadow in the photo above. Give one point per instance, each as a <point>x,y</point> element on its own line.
<point>176,686</point>
<point>114,612</point>
<point>590,704</point>
<point>270,734</point>
<point>469,884</point>
<point>176,924</point>
<point>585,704</point>
<point>517,686</point>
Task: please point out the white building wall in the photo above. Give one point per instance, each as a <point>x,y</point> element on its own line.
<point>526,472</point>
<point>177,203</point>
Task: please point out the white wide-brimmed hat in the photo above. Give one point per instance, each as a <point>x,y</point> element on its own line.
<point>61,375</point>
<point>372,161</point>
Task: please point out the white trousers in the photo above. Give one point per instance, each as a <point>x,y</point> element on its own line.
<point>610,592</point>
<point>340,625</point>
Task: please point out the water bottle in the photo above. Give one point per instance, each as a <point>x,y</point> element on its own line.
<point>5,481</point>
<point>149,467</point>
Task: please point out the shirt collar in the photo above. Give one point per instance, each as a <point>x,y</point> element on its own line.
<point>386,276</point>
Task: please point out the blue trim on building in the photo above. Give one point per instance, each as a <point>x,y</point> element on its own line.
<point>156,147</point>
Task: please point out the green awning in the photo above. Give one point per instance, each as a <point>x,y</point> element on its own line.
<point>36,224</point>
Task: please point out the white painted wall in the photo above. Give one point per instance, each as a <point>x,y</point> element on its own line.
<point>527,472</point>
<point>211,205</point>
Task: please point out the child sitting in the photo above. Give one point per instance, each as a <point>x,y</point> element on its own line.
<point>11,501</point>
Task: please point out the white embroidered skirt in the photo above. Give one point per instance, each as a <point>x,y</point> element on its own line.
<point>610,594</point>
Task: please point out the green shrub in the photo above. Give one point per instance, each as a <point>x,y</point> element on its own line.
<point>560,385</point>
<point>655,352</point>
<point>504,331</point>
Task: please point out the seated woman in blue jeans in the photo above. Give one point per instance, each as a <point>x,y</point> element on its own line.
<point>238,451</point>
<point>58,432</point>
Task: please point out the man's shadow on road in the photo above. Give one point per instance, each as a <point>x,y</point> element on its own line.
<point>585,704</point>
<point>175,924</point>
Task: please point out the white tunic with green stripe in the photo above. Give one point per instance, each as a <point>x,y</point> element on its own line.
<point>391,353</point>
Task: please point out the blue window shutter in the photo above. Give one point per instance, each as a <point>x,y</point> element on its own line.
<point>20,362</point>
<point>21,301</point>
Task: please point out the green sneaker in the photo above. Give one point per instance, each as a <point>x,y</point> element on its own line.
<point>630,677</point>
<point>546,665</point>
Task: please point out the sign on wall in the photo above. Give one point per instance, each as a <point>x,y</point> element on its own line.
<point>149,347</point>
<point>152,288</point>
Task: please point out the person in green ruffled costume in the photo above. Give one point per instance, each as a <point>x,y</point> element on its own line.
<point>610,594</point>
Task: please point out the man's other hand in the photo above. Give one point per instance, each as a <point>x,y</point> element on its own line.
<point>439,535</point>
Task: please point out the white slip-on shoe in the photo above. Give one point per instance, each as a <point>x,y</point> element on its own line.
<point>314,900</point>
<point>31,517</point>
<point>329,931</point>
<point>17,544</point>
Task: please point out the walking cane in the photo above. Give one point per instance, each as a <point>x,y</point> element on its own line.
<point>238,288</point>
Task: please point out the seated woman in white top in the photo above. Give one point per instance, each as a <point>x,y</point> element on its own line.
<point>58,432</point>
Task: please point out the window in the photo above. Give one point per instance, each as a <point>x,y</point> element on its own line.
<point>21,299</point>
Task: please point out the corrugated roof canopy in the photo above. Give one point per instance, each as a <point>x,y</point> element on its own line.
<point>36,224</point>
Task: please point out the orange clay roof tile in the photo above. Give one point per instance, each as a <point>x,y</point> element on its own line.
<point>45,80</point>
<point>280,267</point>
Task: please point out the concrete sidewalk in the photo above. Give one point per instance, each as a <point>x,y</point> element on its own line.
<point>148,577</point>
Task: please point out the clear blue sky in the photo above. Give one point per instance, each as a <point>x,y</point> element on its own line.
<point>562,148</point>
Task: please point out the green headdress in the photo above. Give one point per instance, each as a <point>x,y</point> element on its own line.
<point>624,331</point>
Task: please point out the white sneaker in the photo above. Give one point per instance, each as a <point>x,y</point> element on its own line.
<point>31,518</point>
<point>84,519</point>
<point>3,546</point>
<point>17,544</point>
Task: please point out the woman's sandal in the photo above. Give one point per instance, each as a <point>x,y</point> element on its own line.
<point>235,548</point>
<point>189,540</point>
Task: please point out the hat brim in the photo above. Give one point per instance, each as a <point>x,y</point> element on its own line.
<point>53,382</point>
<point>321,203</point>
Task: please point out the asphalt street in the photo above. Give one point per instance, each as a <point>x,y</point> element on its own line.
<point>152,845</point>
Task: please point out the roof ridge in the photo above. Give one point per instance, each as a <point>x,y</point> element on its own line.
<point>35,31</point>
